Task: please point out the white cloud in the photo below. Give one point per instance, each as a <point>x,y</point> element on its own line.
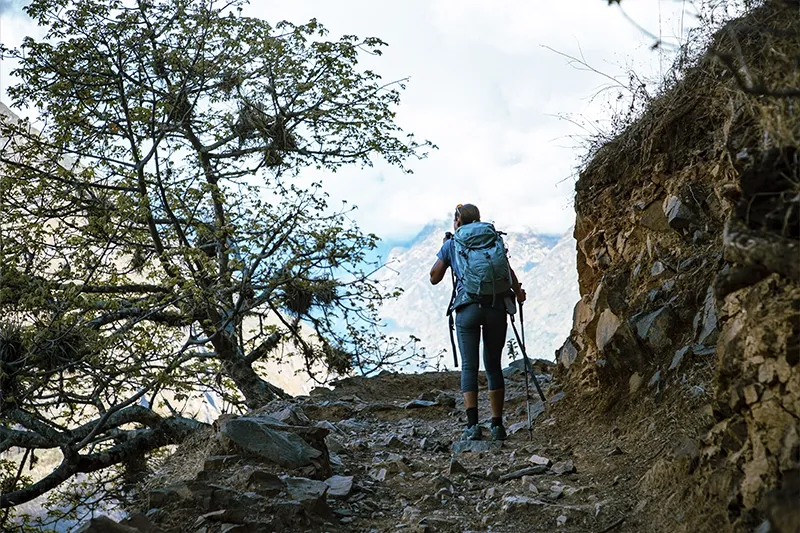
<point>485,90</point>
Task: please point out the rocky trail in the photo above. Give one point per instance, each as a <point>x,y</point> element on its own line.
<point>383,454</point>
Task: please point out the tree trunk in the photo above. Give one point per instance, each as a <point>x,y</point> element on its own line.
<point>256,391</point>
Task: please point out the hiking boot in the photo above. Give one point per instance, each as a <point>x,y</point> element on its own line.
<point>498,432</point>
<point>472,433</point>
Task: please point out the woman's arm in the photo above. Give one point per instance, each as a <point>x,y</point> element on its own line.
<point>438,271</point>
<point>516,286</point>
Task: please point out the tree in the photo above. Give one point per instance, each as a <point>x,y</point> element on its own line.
<point>156,235</point>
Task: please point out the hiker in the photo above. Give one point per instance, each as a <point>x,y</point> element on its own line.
<point>478,312</point>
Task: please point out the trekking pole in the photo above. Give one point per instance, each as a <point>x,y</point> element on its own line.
<point>522,327</point>
<point>527,389</point>
<point>450,320</point>
<point>528,366</point>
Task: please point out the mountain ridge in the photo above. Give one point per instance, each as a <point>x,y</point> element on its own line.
<point>544,263</point>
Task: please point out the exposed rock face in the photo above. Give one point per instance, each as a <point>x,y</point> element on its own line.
<point>704,259</point>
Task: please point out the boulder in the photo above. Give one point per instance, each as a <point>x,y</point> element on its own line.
<point>256,436</point>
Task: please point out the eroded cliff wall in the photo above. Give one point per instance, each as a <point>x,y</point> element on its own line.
<point>689,268</point>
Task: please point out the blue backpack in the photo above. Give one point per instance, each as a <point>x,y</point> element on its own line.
<point>482,263</point>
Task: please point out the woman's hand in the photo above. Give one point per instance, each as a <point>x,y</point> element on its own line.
<point>521,295</point>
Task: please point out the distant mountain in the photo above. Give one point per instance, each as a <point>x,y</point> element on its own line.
<point>544,263</point>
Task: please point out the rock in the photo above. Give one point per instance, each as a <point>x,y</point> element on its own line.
<point>653,217</point>
<point>263,482</point>
<point>700,350</point>
<point>141,523</point>
<point>678,214</point>
<point>517,427</point>
<point>493,473</point>
<point>476,446</point>
<point>339,487</point>
<point>538,460</point>
<point>378,474</point>
<point>567,354</point>
<point>394,442</point>
<point>418,404</point>
<point>557,397</point>
<point>658,269</point>
<point>752,393</point>
<point>292,415</point>
<point>607,326</point>
<point>563,467</point>
<point>428,396</point>
<point>561,520</point>
<point>530,485</point>
<point>410,515</point>
<point>655,380</point>
<point>556,491</point>
<point>103,524</point>
<point>334,445</point>
<point>707,320</point>
<point>311,494</point>
<point>255,436</point>
<point>518,503</point>
<point>325,424</point>
<point>213,497</point>
<point>634,382</point>
<point>655,329</point>
<point>457,468</point>
<point>215,463</point>
<point>764,527</point>
<point>445,400</point>
<point>174,493</point>
<point>688,263</point>
<point>528,471</point>
<point>677,359</point>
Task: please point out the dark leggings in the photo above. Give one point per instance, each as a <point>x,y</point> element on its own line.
<point>469,321</point>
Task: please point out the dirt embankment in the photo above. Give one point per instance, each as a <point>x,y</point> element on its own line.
<point>689,268</point>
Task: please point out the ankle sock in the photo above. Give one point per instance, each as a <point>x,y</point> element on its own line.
<point>497,420</point>
<point>472,416</point>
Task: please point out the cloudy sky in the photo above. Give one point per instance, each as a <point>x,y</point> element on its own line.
<point>485,87</point>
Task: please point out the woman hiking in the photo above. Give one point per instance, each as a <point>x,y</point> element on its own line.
<point>478,312</point>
